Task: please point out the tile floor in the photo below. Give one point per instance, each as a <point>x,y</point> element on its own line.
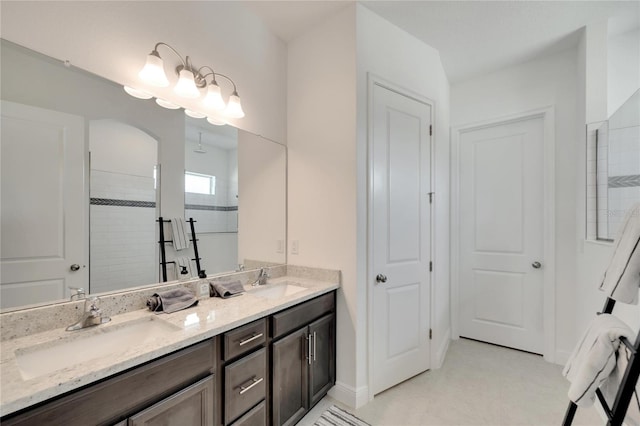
<point>479,384</point>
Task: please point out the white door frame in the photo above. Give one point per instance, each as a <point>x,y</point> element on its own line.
<point>549,285</point>
<point>373,80</point>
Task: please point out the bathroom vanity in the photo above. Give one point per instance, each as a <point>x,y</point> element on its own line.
<point>265,357</point>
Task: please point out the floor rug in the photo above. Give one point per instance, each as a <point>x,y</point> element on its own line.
<point>334,416</point>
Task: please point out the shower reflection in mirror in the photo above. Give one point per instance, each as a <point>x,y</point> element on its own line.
<point>122,206</point>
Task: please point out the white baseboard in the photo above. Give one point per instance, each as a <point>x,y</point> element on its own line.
<point>442,350</point>
<point>349,396</point>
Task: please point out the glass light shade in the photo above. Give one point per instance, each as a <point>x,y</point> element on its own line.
<point>194,114</point>
<point>234,108</point>
<point>213,98</point>
<point>166,104</point>
<point>186,86</point>
<point>137,93</point>
<point>216,121</point>
<point>153,71</point>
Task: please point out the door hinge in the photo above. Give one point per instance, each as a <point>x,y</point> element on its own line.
<point>430,266</point>
<point>430,130</point>
<point>430,334</point>
<point>431,197</point>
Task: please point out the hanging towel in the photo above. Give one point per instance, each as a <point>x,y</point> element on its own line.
<point>180,234</point>
<point>594,358</point>
<point>183,262</point>
<point>171,300</point>
<point>225,289</point>
<point>622,277</point>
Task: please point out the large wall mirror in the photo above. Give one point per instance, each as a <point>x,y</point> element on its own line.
<point>87,170</point>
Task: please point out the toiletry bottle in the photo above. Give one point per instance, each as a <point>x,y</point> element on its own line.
<point>184,274</point>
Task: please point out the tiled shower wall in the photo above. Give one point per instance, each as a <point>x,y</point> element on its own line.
<point>623,174</point>
<point>123,231</point>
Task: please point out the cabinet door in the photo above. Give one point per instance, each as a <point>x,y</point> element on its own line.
<point>192,406</point>
<point>322,367</point>
<point>290,384</point>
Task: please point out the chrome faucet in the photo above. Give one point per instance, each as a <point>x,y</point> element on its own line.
<point>91,316</point>
<point>262,277</point>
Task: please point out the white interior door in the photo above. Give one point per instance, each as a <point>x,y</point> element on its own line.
<point>501,229</point>
<point>401,240</point>
<point>43,206</point>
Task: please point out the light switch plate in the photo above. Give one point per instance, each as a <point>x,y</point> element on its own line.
<point>295,247</point>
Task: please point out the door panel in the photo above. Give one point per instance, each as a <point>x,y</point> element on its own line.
<point>42,152</point>
<point>400,236</point>
<point>290,382</point>
<point>501,227</point>
<point>322,368</point>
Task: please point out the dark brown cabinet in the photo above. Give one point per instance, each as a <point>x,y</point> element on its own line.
<point>269,371</point>
<point>192,406</point>
<point>303,369</point>
<point>124,395</point>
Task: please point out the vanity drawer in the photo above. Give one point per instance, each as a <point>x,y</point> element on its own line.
<point>243,339</point>
<point>256,417</point>
<point>301,315</point>
<point>244,384</point>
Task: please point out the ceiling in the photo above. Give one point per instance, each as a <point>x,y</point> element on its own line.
<point>473,37</point>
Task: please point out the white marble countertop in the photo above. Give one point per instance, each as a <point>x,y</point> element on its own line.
<point>209,318</point>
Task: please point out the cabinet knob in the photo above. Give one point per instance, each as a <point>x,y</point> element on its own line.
<point>381,278</point>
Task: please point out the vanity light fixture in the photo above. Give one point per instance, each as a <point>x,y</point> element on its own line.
<point>166,104</point>
<point>194,114</point>
<point>190,81</point>
<point>216,121</point>
<point>137,93</point>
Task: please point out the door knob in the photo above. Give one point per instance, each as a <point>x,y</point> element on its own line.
<point>536,265</point>
<point>381,278</point>
<point>75,267</point>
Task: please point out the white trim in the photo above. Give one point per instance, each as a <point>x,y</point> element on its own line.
<point>549,299</point>
<point>349,396</point>
<point>442,351</point>
<point>372,80</point>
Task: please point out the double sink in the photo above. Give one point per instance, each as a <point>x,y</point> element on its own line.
<point>97,342</point>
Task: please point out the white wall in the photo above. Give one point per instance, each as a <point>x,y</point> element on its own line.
<point>112,39</point>
<point>534,85</point>
<point>623,68</point>
<point>386,51</point>
<point>262,201</point>
<point>322,186</point>
<point>327,141</point>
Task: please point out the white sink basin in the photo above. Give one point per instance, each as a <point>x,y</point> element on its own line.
<point>277,291</point>
<point>88,344</point>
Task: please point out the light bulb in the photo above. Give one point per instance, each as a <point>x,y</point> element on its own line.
<point>186,86</point>
<point>194,114</point>
<point>166,104</point>
<point>234,108</point>
<point>213,98</point>
<point>153,71</point>
<point>137,93</point>
<point>216,121</point>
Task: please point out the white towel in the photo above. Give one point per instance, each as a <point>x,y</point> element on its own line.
<point>622,277</point>
<point>594,358</point>
<point>183,262</point>
<point>179,229</point>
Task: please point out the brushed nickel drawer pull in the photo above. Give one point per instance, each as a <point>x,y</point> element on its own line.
<point>250,339</point>
<point>314,346</point>
<point>309,348</point>
<point>254,382</point>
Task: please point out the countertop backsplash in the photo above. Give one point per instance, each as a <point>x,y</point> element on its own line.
<point>23,322</point>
